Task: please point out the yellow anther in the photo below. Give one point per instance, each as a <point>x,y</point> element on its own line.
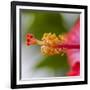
<point>62,38</point>
<point>62,54</point>
<point>49,41</point>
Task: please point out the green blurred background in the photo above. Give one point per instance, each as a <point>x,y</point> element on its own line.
<point>34,64</point>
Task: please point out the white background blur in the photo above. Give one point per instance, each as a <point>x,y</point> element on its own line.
<point>5,44</point>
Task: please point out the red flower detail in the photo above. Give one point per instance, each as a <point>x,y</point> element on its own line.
<point>75,71</point>
<point>30,39</point>
<point>29,36</point>
<point>67,46</point>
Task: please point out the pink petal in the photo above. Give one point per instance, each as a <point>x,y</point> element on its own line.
<point>73,37</point>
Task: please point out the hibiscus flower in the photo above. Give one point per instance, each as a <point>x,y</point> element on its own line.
<point>68,43</point>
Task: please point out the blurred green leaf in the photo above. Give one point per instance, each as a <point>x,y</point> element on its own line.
<point>45,22</point>
<point>55,63</point>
